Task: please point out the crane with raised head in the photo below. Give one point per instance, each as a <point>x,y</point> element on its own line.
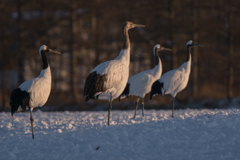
<point>175,80</point>
<point>108,80</point>
<point>140,84</point>
<point>34,92</point>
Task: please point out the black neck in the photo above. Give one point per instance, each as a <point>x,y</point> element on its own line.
<point>188,52</point>
<point>126,40</point>
<point>44,59</point>
<point>156,56</point>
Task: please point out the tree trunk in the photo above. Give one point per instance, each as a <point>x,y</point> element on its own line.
<point>172,34</point>
<point>96,29</point>
<point>230,70</point>
<point>195,55</point>
<point>4,83</point>
<point>20,54</point>
<point>74,74</point>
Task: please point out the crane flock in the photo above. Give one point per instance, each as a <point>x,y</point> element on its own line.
<point>109,80</point>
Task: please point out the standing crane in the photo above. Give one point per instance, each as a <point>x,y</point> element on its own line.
<point>34,92</point>
<point>175,80</point>
<point>140,84</point>
<point>108,79</point>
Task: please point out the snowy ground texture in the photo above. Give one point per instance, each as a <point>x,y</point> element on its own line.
<point>192,135</point>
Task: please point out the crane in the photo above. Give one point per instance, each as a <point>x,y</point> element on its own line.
<point>34,92</point>
<point>108,80</point>
<point>140,84</point>
<point>175,80</point>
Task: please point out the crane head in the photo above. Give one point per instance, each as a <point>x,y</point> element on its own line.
<point>191,44</point>
<point>158,47</point>
<point>45,49</point>
<point>130,25</point>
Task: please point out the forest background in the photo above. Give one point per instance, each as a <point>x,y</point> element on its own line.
<point>88,32</point>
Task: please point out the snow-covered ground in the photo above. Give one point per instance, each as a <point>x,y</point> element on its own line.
<point>192,135</point>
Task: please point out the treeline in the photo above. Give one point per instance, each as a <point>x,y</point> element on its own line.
<point>88,32</point>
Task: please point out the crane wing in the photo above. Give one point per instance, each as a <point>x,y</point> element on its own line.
<point>39,90</point>
<point>140,84</point>
<point>173,81</point>
<point>104,77</point>
<point>27,85</point>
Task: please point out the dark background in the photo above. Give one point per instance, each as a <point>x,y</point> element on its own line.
<point>88,32</point>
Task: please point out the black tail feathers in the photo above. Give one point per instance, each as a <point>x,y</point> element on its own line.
<point>94,84</point>
<point>19,98</point>
<point>156,88</point>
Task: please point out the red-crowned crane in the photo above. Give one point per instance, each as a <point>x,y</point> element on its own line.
<point>108,79</point>
<point>175,80</point>
<point>34,92</point>
<point>140,84</point>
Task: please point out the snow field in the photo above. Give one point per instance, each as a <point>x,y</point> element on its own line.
<point>192,134</point>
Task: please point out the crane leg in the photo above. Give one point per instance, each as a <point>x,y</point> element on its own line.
<point>136,107</point>
<point>173,100</point>
<point>143,107</point>
<point>31,119</point>
<point>109,109</point>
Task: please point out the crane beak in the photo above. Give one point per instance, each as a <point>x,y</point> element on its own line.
<point>52,51</point>
<point>195,44</point>
<point>138,25</point>
<point>166,49</point>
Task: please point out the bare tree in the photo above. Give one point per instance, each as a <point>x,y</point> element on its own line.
<point>96,28</point>
<point>230,51</point>
<point>195,56</point>
<point>171,13</point>
<point>74,74</point>
<point>21,54</point>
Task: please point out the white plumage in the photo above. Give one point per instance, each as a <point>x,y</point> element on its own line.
<point>140,84</point>
<point>175,80</point>
<point>34,92</point>
<point>39,88</point>
<point>108,79</point>
<point>116,75</point>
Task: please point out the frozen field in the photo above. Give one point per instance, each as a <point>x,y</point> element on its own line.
<point>191,135</point>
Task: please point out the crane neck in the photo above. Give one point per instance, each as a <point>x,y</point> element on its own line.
<point>158,66</point>
<point>44,59</point>
<point>186,66</point>
<point>45,73</point>
<point>126,40</point>
<point>124,56</point>
<point>157,70</point>
<point>188,53</point>
<point>156,56</point>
